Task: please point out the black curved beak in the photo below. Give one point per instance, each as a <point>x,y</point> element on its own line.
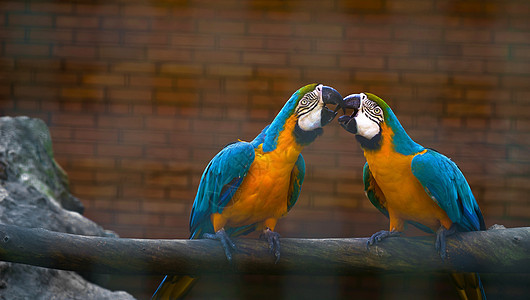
<point>330,96</point>
<point>348,121</point>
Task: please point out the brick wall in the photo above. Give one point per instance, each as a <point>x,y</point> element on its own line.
<point>140,95</point>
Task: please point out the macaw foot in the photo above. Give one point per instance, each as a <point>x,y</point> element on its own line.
<point>381,235</point>
<point>273,238</point>
<point>227,243</point>
<point>441,235</point>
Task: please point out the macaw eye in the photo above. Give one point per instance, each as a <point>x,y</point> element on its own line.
<point>304,102</point>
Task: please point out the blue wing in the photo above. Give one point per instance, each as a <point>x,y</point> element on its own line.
<point>297,178</point>
<point>446,185</point>
<point>219,182</point>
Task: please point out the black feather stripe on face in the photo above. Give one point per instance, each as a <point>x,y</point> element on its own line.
<point>307,103</point>
<point>372,111</point>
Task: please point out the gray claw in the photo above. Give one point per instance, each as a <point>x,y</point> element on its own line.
<point>273,238</point>
<point>226,242</point>
<point>379,236</point>
<point>441,244</point>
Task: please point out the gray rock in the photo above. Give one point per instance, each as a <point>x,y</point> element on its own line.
<point>34,193</point>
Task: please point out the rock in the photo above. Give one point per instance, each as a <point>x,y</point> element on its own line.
<point>34,193</point>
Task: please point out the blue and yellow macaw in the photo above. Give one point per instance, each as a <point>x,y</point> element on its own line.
<point>248,186</point>
<point>412,184</point>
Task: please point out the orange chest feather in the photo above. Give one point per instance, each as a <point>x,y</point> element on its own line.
<point>404,195</point>
<point>263,193</point>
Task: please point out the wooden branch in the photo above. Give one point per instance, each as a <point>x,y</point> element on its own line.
<point>497,251</point>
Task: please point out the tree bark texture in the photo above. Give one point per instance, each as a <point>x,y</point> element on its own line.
<point>494,251</point>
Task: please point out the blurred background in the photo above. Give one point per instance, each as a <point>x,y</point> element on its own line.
<point>139,95</point>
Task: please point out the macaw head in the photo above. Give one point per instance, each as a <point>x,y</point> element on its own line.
<point>369,113</point>
<point>309,106</point>
<point>372,119</point>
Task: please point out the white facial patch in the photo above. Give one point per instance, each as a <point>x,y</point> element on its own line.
<point>309,110</point>
<point>366,127</point>
<point>368,118</point>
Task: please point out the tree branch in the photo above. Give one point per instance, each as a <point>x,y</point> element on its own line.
<point>497,251</point>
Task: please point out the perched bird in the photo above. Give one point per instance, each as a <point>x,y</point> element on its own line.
<point>412,184</point>
<point>248,186</point>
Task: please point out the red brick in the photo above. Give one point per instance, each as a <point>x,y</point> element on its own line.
<point>76,22</point>
<point>97,9</point>
<point>84,65</point>
<point>30,20</point>
<point>313,60</point>
<point>117,205</point>
<point>246,85</point>
<point>265,58</point>
<point>360,6</point>
<point>143,95</point>
<point>133,67</point>
<point>124,122</point>
<point>80,149</point>
<point>103,79</point>
<point>150,81</point>
<point>217,56</point>
<point>74,51</point>
<point>468,36</point>
<point>146,38</point>
<point>121,53</point>
<point>143,137</point>
<point>339,45</point>
<point>141,192</point>
<point>85,134</point>
<point>318,30</point>
<point>229,70</point>
<point>76,120</point>
<point>192,40</point>
<point>64,78</point>
<point>167,179</point>
<point>35,91</point>
<point>460,65</point>
<point>97,37</point>
<point>119,150</point>
<point>164,207</point>
<point>139,219</point>
<point>230,27</point>
<point>376,76</point>
<point>410,7</point>
<point>362,62</point>
<point>168,54</point>
<point>76,93</point>
<point>364,32</point>
<point>167,123</point>
<point>144,11</point>
<point>27,50</point>
<point>126,23</point>
<point>241,42</point>
<point>173,25</point>
<point>272,29</point>
<point>184,69</point>
<point>425,78</point>
<point>278,72</point>
<point>94,191</point>
<point>50,35</point>
<point>485,50</point>
<point>198,83</point>
<point>475,80</point>
<point>289,44</point>
<point>55,8</point>
<point>179,98</point>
